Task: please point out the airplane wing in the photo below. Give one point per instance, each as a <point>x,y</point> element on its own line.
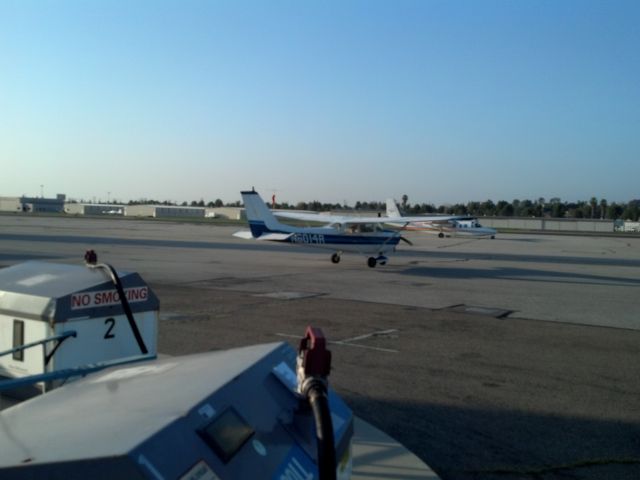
<point>394,211</point>
<point>333,219</point>
<point>351,219</point>
<point>307,217</point>
<point>329,219</point>
<point>427,219</point>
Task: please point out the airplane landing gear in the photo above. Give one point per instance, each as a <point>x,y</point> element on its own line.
<point>373,261</point>
<point>441,235</point>
<point>335,258</point>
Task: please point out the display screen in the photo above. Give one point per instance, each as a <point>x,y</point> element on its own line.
<point>226,434</point>
<point>18,339</point>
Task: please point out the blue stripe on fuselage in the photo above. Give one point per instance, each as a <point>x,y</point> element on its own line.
<point>311,237</point>
<point>259,228</point>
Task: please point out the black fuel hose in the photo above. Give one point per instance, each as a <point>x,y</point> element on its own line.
<point>124,302</point>
<point>317,395</point>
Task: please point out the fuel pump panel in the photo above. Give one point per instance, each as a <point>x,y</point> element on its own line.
<point>230,414</point>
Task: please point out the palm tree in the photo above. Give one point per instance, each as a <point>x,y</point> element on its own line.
<point>593,202</point>
<point>603,208</point>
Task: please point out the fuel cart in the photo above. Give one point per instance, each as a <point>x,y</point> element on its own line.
<point>55,318</point>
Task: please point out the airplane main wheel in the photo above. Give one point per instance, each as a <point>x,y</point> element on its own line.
<point>371,262</point>
<point>441,235</point>
<point>335,258</point>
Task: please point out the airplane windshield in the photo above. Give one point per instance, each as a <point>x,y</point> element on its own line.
<point>364,228</point>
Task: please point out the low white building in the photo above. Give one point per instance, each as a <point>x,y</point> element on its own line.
<point>631,226</point>
<point>549,224</point>
<point>231,213</point>
<point>10,204</point>
<point>93,209</point>
<point>163,211</point>
<point>33,204</point>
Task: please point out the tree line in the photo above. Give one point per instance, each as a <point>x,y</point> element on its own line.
<point>553,208</point>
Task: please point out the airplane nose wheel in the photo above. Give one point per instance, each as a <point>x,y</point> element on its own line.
<point>441,235</point>
<point>335,258</point>
<point>371,262</point>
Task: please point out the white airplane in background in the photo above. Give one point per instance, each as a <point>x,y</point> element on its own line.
<point>363,235</point>
<point>441,225</point>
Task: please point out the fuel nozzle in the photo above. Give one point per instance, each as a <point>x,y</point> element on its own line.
<point>90,257</point>
<point>312,367</point>
<point>314,360</point>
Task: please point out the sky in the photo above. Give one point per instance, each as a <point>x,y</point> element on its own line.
<point>336,101</point>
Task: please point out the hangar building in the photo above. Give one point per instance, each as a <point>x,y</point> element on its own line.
<point>33,204</point>
<point>93,209</point>
<point>163,211</point>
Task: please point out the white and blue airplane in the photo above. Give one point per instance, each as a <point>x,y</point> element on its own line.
<point>357,234</point>
<point>440,224</point>
<point>363,235</point>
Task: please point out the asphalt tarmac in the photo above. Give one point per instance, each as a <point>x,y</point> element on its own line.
<point>509,358</point>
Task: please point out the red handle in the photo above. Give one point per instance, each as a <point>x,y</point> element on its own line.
<point>316,359</point>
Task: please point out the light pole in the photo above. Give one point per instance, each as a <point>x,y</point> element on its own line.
<point>41,191</point>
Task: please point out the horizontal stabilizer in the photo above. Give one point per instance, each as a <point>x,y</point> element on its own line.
<point>276,237</point>
<point>246,234</point>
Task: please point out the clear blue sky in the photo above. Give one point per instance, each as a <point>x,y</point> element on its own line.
<point>445,101</point>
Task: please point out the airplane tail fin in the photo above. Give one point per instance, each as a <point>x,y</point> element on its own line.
<point>261,220</point>
<point>392,208</point>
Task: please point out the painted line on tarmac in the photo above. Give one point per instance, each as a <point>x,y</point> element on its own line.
<point>367,335</point>
<point>348,342</point>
